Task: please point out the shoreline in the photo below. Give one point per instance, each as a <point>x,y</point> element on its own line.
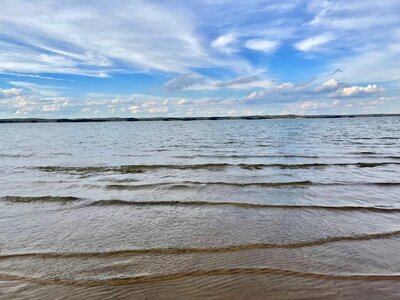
<point>254,117</point>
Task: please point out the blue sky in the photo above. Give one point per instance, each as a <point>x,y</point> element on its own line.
<point>99,58</point>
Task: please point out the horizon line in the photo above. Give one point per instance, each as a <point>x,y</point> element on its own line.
<point>214,118</point>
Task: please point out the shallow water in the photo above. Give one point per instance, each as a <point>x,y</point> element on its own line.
<point>302,208</point>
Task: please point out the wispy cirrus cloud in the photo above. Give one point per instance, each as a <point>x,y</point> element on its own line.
<point>184,81</point>
<point>30,76</point>
<point>225,43</point>
<point>366,37</point>
<point>314,43</point>
<point>196,82</point>
<point>96,37</point>
<point>44,90</point>
<point>266,46</point>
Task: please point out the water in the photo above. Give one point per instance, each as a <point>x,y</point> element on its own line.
<point>296,208</point>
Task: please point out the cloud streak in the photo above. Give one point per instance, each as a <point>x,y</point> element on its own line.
<point>314,43</point>
<point>266,46</point>
<point>194,82</point>
<point>95,38</point>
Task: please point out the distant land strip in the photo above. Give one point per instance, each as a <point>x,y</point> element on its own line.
<point>255,117</point>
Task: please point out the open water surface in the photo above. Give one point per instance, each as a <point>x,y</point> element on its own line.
<point>236,209</point>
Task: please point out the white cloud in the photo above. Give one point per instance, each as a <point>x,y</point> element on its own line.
<point>244,82</point>
<point>280,92</point>
<point>20,112</point>
<point>311,106</point>
<point>182,102</point>
<point>225,43</point>
<point>377,102</point>
<point>30,76</point>
<point>8,93</point>
<point>22,103</point>
<point>286,86</point>
<point>58,105</point>
<point>158,110</point>
<point>183,82</point>
<point>317,105</point>
<point>250,85</point>
<point>85,109</point>
<point>346,15</point>
<point>266,46</point>
<point>309,92</point>
<point>354,91</point>
<point>134,109</point>
<point>45,90</point>
<point>330,85</point>
<point>314,43</point>
<point>194,82</point>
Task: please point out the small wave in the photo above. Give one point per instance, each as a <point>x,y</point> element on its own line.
<point>243,156</point>
<point>119,180</point>
<point>22,199</point>
<point>233,248</point>
<point>372,154</point>
<point>61,154</point>
<point>131,168</point>
<point>116,281</point>
<point>6,155</point>
<point>382,183</point>
<point>236,271</point>
<point>243,205</point>
<point>364,153</point>
<point>389,138</point>
<point>131,155</point>
<point>189,184</point>
<point>208,166</point>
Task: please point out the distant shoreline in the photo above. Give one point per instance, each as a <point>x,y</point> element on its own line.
<point>254,117</point>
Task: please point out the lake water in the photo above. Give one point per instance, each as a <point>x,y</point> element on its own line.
<point>236,209</point>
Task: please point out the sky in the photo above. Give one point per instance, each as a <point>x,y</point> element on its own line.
<point>129,58</point>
